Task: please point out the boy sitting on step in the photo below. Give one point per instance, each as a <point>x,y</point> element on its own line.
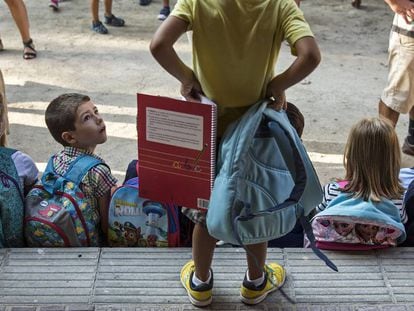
<point>74,121</point>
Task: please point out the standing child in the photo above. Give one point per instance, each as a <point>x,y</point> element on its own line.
<point>233,62</point>
<point>74,121</point>
<point>109,18</point>
<point>398,95</point>
<point>372,164</point>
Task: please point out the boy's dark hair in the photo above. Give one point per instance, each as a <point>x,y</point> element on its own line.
<point>60,115</point>
<point>295,118</point>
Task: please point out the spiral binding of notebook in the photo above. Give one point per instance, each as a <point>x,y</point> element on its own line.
<point>213,139</point>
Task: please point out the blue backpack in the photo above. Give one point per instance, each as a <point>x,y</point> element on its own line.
<point>57,212</point>
<point>134,221</point>
<point>265,181</point>
<point>11,202</point>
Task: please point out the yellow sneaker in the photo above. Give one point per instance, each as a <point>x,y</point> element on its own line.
<point>274,279</point>
<point>201,295</point>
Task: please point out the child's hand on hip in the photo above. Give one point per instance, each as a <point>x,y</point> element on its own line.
<point>278,96</point>
<point>191,89</point>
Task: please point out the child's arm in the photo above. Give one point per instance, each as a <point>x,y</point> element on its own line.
<point>405,8</point>
<point>163,51</point>
<point>308,58</point>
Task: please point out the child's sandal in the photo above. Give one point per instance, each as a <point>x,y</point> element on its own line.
<point>32,52</point>
<point>114,21</point>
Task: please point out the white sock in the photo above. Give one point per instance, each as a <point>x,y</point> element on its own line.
<point>257,282</point>
<point>196,281</point>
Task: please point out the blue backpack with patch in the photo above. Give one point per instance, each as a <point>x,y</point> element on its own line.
<point>11,202</point>
<point>265,181</point>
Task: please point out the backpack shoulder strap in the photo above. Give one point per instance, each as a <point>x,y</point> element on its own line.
<point>300,165</point>
<point>75,173</point>
<point>237,140</point>
<point>80,167</point>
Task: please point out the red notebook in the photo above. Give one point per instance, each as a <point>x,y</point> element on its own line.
<point>176,150</point>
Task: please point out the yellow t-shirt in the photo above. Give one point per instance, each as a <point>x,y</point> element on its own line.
<point>235,47</point>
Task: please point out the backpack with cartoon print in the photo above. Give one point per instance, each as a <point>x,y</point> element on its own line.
<point>350,223</point>
<point>57,212</point>
<point>135,221</point>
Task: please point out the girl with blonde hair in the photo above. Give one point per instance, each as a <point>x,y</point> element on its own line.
<point>372,162</point>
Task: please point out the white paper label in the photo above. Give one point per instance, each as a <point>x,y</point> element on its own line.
<point>174,128</point>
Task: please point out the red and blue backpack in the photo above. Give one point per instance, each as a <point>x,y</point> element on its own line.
<point>57,213</point>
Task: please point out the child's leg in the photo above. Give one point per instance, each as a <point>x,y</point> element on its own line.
<point>256,264</point>
<point>411,126</point>
<point>203,250</point>
<point>95,10</point>
<point>257,285</point>
<point>388,113</point>
<point>108,7</point>
<point>195,275</point>
<point>19,13</point>
<point>408,145</point>
<point>165,10</point>
<point>111,19</point>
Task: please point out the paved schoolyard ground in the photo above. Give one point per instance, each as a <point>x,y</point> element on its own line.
<point>113,68</point>
<point>148,279</point>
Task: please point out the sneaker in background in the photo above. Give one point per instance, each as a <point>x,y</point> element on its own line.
<point>408,148</point>
<point>99,28</point>
<point>54,4</point>
<point>274,279</point>
<point>165,11</point>
<point>200,295</point>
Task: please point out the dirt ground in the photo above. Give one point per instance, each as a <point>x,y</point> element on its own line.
<point>113,68</point>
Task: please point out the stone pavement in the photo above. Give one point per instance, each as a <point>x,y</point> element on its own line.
<point>148,279</point>
<point>113,68</point>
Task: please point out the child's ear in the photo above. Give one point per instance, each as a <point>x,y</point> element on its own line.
<point>69,138</point>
